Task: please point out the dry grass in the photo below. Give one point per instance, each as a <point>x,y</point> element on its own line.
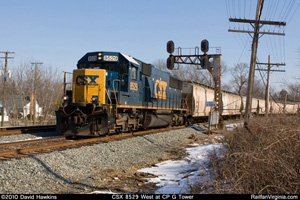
<point>265,160</point>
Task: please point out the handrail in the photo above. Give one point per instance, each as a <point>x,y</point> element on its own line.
<point>110,107</point>
<point>56,100</point>
<point>115,95</point>
<point>56,104</point>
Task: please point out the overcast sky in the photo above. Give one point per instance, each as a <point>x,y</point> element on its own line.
<point>59,33</point>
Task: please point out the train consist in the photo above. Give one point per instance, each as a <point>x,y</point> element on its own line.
<point>113,93</point>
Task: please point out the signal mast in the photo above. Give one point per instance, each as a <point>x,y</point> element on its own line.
<point>211,62</point>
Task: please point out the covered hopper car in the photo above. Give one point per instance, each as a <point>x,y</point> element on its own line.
<point>233,105</point>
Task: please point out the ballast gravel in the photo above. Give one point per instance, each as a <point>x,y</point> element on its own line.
<point>80,170</point>
<point>20,137</point>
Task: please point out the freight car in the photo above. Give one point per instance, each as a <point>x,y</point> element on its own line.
<point>112,93</point>
<point>195,95</point>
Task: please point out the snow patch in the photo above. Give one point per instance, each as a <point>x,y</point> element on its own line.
<point>175,177</point>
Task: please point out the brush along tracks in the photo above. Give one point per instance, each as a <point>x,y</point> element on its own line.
<point>26,129</point>
<point>48,145</point>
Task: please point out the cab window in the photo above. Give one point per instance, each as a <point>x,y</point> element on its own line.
<point>133,73</point>
<point>123,68</point>
<point>110,66</point>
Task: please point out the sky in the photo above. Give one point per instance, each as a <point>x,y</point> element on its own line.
<point>59,33</point>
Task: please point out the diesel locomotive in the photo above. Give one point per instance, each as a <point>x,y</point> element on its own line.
<point>112,93</point>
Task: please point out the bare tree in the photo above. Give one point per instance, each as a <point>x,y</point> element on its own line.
<point>294,91</point>
<point>48,83</point>
<point>239,77</point>
<point>259,89</point>
<point>190,72</point>
<point>226,87</point>
<point>161,65</point>
<point>224,68</point>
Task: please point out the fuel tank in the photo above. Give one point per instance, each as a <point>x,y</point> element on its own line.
<point>161,118</point>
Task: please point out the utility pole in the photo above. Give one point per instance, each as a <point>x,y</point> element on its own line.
<point>267,94</point>
<point>256,24</point>
<point>252,61</point>
<point>4,83</point>
<point>34,91</point>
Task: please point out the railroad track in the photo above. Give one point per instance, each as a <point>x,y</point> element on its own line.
<point>32,142</point>
<point>10,150</point>
<point>26,129</point>
<point>26,148</point>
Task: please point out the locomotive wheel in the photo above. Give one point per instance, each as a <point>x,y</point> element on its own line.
<point>130,129</point>
<point>118,131</point>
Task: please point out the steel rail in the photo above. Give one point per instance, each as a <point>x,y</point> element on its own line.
<point>26,129</point>
<point>25,142</point>
<point>79,143</point>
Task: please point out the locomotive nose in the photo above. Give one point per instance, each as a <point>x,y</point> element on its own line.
<point>89,86</point>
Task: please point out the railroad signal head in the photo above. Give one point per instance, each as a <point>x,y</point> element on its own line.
<point>204,62</point>
<point>170,62</point>
<point>170,47</point>
<point>204,46</point>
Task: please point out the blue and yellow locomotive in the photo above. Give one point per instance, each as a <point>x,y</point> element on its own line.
<point>113,93</point>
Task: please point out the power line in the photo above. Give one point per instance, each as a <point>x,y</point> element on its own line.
<point>293,13</point>
<point>250,10</point>
<point>288,10</point>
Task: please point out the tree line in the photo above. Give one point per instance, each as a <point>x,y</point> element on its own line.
<point>19,90</point>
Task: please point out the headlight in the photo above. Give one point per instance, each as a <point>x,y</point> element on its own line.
<point>66,98</point>
<point>95,99</point>
<point>99,56</point>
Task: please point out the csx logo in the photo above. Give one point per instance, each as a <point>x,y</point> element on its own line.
<point>160,89</point>
<point>86,79</point>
